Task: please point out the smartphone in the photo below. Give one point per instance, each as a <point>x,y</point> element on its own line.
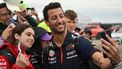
<point>108,32</point>
<point>102,35</point>
<point>13,25</point>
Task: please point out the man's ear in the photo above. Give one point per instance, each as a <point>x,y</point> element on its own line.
<point>16,36</point>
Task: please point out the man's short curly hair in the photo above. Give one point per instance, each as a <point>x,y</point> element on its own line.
<point>2,5</point>
<point>51,5</point>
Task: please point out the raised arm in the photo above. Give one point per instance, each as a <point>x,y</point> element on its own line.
<point>112,52</point>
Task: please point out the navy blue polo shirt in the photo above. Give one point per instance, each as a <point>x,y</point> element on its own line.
<point>65,57</point>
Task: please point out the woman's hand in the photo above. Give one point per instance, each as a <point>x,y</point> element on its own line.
<point>22,61</point>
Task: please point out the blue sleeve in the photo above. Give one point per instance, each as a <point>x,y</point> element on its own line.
<point>86,48</point>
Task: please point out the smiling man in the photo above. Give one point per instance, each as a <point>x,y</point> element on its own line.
<point>62,53</point>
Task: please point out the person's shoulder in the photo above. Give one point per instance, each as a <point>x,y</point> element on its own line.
<point>82,38</point>
<point>83,41</point>
<point>3,60</point>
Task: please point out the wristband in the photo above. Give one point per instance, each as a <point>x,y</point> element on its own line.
<point>116,64</point>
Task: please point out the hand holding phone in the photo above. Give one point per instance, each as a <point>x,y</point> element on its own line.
<point>8,31</point>
<point>103,36</point>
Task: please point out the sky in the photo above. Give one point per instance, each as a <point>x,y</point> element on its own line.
<point>104,11</point>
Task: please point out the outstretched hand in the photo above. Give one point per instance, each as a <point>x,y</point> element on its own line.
<point>112,49</point>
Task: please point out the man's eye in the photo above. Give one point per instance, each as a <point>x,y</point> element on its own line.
<point>69,21</point>
<point>61,16</point>
<point>74,22</point>
<point>53,18</point>
<point>6,14</point>
<point>28,34</point>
